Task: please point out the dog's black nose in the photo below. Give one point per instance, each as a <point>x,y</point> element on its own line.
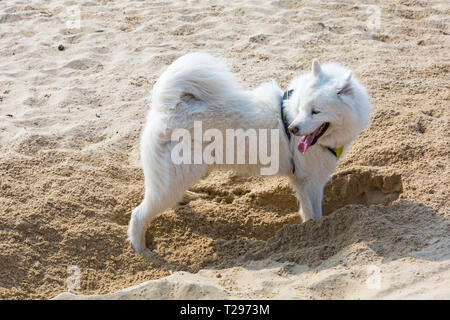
<point>293,129</point>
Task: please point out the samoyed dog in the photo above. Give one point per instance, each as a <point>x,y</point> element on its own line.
<point>316,119</point>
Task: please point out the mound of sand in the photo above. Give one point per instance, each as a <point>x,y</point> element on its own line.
<point>69,161</point>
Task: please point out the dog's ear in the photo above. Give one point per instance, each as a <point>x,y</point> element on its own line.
<point>316,69</point>
<point>346,88</point>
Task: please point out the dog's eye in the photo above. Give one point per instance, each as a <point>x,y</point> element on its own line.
<point>315,111</point>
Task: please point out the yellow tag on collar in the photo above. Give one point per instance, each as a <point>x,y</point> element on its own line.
<point>339,151</point>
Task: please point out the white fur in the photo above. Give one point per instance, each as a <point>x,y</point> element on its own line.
<point>199,87</point>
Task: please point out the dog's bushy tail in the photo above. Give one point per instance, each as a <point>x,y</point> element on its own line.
<point>200,75</point>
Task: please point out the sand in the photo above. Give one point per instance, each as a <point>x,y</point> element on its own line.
<point>69,160</point>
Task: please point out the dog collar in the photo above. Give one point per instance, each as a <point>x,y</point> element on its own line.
<point>337,152</point>
<point>286,96</point>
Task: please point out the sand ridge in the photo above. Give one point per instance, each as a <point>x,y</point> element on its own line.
<point>69,160</point>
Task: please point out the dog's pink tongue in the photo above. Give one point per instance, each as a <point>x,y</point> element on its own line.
<point>305,142</point>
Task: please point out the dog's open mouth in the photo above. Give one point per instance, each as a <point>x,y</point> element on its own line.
<point>306,141</point>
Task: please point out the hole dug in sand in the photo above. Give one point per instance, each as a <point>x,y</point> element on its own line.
<point>361,185</point>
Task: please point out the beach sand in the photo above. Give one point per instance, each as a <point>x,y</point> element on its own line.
<point>70,173</point>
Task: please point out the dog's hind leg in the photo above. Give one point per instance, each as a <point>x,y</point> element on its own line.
<point>140,218</point>
<point>165,184</point>
<point>155,202</point>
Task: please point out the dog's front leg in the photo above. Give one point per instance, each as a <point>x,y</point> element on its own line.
<point>310,196</point>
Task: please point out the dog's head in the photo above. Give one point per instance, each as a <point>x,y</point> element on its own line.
<point>328,105</point>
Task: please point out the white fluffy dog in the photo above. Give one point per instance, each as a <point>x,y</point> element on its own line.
<point>318,117</point>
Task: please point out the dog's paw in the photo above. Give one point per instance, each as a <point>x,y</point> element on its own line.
<point>143,251</point>
<point>147,253</point>
<point>188,197</point>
